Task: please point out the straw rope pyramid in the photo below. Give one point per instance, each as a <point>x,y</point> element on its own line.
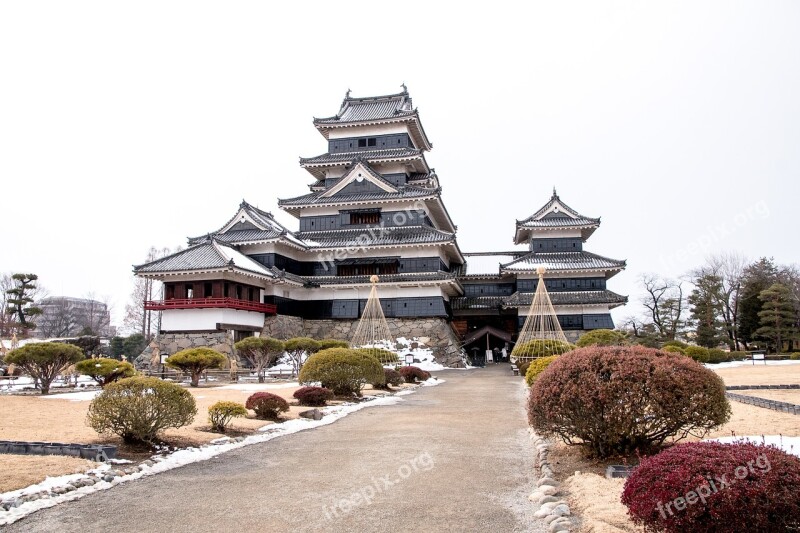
<point>372,331</point>
<point>540,325</point>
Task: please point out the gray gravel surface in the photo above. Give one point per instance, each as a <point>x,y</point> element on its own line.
<point>455,457</point>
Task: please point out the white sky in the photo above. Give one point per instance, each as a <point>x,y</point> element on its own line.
<point>125,125</point>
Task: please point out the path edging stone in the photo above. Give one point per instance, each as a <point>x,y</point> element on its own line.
<point>553,509</point>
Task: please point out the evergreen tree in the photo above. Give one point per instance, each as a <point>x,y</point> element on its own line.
<point>757,277</point>
<point>778,316</point>
<point>117,347</point>
<point>20,301</point>
<point>706,311</point>
<point>134,345</point>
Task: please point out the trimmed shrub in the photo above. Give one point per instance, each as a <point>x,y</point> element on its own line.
<point>313,396</point>
<point>682,489</point>
<point>342,370</point>
<point>43,361</point>
<point>221,413</point>
<point>325,344</point>
<point>523,367</point>
<point>195,361</point>
<point>739,356</point>
<point>266,405</point>
<point>536,367</point>
<point>527,351</point>
<point>619,399</point>
<point>715,355</point>
<point>104,370</point>
<point>139,408</point>
<point>673,349</point>
<point>677,344</point>
<point>260,352</point>
<point>698,353</point>
<point>298,348</point>
<point>413,373</point>
<point>602,337</point>
<point>384,357</point>
<point>390,377</point>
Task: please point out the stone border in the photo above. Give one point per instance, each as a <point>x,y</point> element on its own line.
<point>761,387</point>
<point>553,510</point>
<point>784,407</point>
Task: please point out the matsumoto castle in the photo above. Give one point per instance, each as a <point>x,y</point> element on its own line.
<point>375,208</point>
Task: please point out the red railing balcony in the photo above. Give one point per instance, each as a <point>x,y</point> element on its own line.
<point>208,303</point>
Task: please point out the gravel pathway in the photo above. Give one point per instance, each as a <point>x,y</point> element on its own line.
<point>456,457</point>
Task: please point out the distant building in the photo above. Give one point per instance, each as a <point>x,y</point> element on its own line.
<point>65,316</point>
<point>375,208</point>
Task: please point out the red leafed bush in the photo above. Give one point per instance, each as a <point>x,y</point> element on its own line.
<point>619,399</point>
<point>412,373</point>
<point>708,486</point>
<point>313,396</point>
<point>266,405</point>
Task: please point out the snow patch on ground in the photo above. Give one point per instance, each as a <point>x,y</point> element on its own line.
<point>789,445</point>
<point>259,386</point>
<point>181,457</point>
<point>72,396</point>
<point>735,364</point>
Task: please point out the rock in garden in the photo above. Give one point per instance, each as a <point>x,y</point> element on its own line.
<point>313,414</point>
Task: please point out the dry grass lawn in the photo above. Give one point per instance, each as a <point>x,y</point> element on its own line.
<point>59,419</point>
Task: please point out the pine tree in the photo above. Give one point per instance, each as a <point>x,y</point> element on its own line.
<point>778,317</point>
<point>706,311</point>
<point>20,300</point>
<point>757,277</point>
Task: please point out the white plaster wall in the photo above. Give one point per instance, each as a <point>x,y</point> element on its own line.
<point>361,131</point>
<point>207,319</point>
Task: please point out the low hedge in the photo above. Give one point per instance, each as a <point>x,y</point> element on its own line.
<point>536,367</point>
<point>342,370</point>
<point>313,396</point>
<point>413,373</point>
<point>698,353</point>
<point>266,405</point>
<point>706,487</point>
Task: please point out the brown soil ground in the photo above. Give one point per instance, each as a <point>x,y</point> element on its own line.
<point>24,470</point>
<point>33,418</point>
<point>597,499</point>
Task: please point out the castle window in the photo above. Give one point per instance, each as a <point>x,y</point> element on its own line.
<point>372,141</point>
<point>189,291</point>
<point>362,143</point>
<point>207,290</point>
<point>365,217</point>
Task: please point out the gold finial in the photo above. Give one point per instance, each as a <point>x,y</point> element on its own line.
<point>374,279</point>
<point>541,270</point>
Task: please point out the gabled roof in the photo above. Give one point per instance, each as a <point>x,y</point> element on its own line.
<point>316,165</point>
<point>564,262</point>
<point>555,214</point>
<point>525,299</point>
<point>208,255</point>
<point>376,109</point>
<point>250,224</point>
<point>359,171</point>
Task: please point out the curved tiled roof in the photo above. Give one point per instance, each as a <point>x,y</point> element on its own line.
<point>371,108</point>
<point>208,255</point>
<point>316,198</point>
<point>559,222</point>
<point>376,236</point>
<point>572,214</point>
<point>368,155</point>
<point>524,299</point>
<point>564,261</point>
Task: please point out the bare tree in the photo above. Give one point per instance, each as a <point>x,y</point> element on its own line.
<point>665,304</point>
<point>144,289</point>
<point>729,268</point>
<point>59,318</point>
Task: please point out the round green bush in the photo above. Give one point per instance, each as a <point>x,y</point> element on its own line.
<point>536,367</point>
<point>620,399</point>
<point>266,405</point>
<point>677,344</point>
<point>530,350</point>
<point>313,396</point>
<point>698,353</point>
<point>673,349</point>
<point>104,370</point>
<point>715,356</point>
<point>342,370</point>
<point>708,487</point>
<point>602,337</point>
<point>221,413</point>
<point>139,408</point>
<point>385,357</point>
<point>324,344</point>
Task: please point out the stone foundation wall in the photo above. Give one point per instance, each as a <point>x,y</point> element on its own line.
<point>170,343</point>
<point>435,333</point>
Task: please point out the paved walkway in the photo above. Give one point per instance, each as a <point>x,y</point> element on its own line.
<point>450,458</point>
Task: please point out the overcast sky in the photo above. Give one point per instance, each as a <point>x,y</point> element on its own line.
<point>126,125</point>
